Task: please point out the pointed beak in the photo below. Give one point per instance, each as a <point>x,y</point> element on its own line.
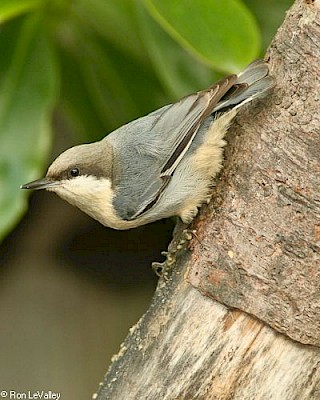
<point>44,183</point>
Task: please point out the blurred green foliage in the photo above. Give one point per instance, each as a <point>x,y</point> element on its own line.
<point>101,63</point>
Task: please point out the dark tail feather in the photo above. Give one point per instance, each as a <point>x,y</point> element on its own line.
<point>252,83</point>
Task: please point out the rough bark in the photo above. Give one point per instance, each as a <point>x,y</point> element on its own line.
<point>261,239</point>
<point>237,314</point>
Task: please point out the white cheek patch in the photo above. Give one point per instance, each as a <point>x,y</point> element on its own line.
<point>86,185</point>
<point>85,190</point>
<point>93,196</point>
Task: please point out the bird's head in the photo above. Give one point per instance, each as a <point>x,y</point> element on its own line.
<point>81,175</point>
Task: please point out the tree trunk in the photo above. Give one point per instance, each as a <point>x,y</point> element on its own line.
<point>237,313</point>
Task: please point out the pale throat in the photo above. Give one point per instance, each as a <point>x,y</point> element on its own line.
<point>92,195</point>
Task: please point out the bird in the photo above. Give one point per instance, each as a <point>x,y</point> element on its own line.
<point>160,165</point>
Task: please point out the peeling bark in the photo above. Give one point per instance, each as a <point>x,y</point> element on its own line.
<point>261,236</point>
<point>237,314</point>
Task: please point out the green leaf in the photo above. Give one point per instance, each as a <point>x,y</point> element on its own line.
<point>27,93</point>
<point>13,8</point>
<point>115,21</point>
<point>270,15</point>
<point>105,89</point>
<point>223,34</point>
<point>180,72</point>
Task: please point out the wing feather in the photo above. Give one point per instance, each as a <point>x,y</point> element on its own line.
<point>151,148</point>
<point>184,119</point>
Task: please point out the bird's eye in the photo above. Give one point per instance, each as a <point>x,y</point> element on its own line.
<point>74,172</point>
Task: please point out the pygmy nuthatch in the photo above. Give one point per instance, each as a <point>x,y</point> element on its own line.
<point>157,166</point>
